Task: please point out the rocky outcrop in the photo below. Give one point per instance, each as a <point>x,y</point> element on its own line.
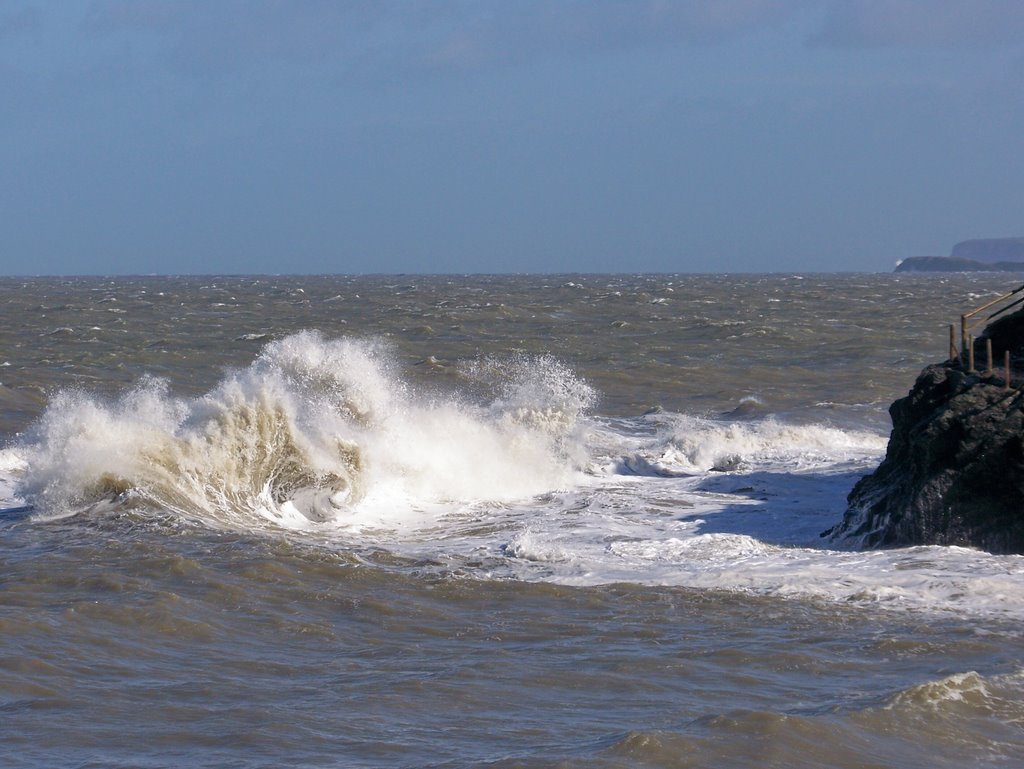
<point>953,473</point>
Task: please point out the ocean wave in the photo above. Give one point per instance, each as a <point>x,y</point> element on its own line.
<point>968,690</point>
<point>308,430</point>
<point>324,437</point>
<point>690,445</point>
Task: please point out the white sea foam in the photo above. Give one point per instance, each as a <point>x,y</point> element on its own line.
<point>954,700</point>
<point>12,468</point>
<point>324,436</point>
<point>967,688</point>
<point>694,444</point>
<point>305,434</point>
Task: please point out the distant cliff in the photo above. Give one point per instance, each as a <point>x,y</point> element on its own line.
<point>953,473</point>
<point>990,250</point>
<point>955,264</point>
<point>981,255</point>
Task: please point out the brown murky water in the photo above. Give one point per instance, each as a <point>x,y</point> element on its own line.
<point>528,565</point>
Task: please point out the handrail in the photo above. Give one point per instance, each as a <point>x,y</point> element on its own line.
<point>966,353</point>
<point>964,328</point>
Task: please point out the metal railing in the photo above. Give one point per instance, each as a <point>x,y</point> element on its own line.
<point>969,321</point>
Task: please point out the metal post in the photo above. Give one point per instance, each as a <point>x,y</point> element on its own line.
<point>970,355</point>
<point>953,355</point>
<point>988,355</point>
<point>963,335</point>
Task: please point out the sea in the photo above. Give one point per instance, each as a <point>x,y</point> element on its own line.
<point>514,521</point>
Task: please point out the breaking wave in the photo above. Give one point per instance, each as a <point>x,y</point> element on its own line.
<point>507,477</point>
<point>694,445</point>
<point>967,719</point>
<point>309,430</point>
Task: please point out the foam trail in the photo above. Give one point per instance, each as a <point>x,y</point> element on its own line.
<point>664,514</point>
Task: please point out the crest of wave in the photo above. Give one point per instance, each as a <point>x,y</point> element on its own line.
<point>536,391</point>
<point>303,434</point>
<point>693,444</point>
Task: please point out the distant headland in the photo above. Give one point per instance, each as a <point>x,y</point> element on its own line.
<point>981,255</point>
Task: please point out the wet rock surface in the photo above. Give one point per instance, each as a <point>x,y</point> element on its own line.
<point>953,473</point>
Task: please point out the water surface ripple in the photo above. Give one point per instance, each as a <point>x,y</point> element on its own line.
<point>501,521</point>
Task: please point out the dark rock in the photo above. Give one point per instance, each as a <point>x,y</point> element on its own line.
<point>953,473</point>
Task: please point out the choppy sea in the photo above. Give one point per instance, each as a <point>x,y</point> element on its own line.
<point>472,521</point>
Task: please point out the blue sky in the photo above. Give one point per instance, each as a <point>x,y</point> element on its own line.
<point>308,136</point>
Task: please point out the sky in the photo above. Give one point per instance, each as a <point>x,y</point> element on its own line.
<point>456,136</point>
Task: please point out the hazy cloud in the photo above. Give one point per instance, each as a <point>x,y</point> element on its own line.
<point>229,32</point>
<point>385,34</point>
<point>923,23</point>
<point>392,38</point>
<point>19,22</point>
<point>459,127</point>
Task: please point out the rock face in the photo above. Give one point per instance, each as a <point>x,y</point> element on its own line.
<point>953,473</point>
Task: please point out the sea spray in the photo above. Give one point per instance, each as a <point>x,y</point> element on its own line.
<point>325,436</point>
<point>310,430</point>
<point>238,450</point>
<point>686,444</point>
<point>710,624</point>
<point>540,393</point>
